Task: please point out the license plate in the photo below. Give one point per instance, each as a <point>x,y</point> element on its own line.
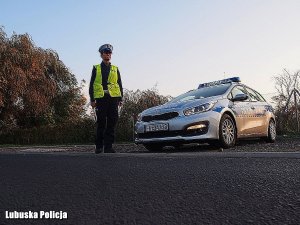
<point>156,127</point>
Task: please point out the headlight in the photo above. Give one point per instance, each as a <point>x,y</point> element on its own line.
<point>199,109</point>
<point>139,117</point>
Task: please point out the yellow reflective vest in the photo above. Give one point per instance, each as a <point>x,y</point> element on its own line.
<point>112,82</point>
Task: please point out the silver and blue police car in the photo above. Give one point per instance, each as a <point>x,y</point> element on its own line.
<point>217,113</point>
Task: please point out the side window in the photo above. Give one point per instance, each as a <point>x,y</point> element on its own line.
<point>260,97</point>
<point>253,95</point>
<point>237,90</point>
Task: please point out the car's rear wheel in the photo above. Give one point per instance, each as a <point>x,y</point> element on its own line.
<point>154,147</point>
<point>227,132</point>
<point>271,132</point>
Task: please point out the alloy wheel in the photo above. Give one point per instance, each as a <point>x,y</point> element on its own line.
<point>228,131</point>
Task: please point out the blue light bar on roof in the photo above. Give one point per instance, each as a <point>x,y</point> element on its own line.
<point>225,81</point>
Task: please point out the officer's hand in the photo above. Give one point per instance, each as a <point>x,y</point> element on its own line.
<point>93,104</point>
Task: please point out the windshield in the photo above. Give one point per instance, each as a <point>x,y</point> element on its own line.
<point>204,92</point>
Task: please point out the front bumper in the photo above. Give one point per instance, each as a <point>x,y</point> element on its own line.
<point>178,129</point>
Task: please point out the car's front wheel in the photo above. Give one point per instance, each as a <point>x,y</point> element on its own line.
<point>154,147</point>
<point>227,132</point>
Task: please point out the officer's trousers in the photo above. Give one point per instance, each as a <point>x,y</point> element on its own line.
<point>107,117</point>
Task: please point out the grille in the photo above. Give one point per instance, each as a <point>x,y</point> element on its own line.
<point>165,116</point>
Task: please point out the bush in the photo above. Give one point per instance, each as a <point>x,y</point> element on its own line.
<point>134,102</point>
<point>82,132</point>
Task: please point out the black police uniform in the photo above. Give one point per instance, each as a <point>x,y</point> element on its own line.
<point>106,110</point>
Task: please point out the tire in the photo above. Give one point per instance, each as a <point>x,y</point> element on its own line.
<point>227,132</point>
<point>271,132</point>
<point>154,147</point>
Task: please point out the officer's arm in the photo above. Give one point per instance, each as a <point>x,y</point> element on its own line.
<point>91,89</point>
<point>120,83</point>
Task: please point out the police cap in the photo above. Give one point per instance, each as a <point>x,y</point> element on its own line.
<point>106,47</point>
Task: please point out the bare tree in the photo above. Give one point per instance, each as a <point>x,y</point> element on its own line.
<point>287,86</point>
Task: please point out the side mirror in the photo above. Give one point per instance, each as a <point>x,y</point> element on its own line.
<point>240,97</point>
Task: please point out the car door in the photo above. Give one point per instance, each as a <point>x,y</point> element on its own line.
<point>257,123</point>
<point>241,109</point>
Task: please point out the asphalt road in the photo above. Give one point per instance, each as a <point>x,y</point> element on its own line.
<point>152,188</point>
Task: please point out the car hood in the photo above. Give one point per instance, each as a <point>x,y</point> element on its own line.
<point>177,106</point>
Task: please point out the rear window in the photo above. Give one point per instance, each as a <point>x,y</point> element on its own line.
<point>204,92</point>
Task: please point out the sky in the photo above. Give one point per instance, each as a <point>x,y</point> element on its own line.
<point>172,44</point>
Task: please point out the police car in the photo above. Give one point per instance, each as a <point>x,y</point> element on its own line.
<point>217,113</point>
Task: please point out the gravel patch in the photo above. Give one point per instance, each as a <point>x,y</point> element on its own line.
<point>283,144</point>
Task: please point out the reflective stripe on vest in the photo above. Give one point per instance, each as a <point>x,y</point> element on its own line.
<point>112,83</point>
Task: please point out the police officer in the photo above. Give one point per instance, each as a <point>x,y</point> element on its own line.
<point>106,95</point>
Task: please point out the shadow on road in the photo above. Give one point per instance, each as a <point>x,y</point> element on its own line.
<point>250,143</point>
<point>184,148</point>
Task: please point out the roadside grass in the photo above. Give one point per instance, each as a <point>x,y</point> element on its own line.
<point>281,137</point>
<point>288,136</point>
<point>55,145</point>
